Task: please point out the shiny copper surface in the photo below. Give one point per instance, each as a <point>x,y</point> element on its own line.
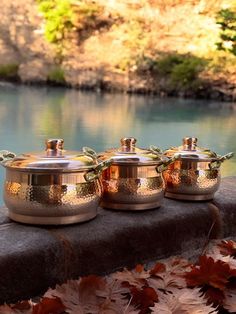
<point>50,187</point>
<point>191,180</point>
<point>51,199</point>
<point>132,187</point>
<point>195,175</point>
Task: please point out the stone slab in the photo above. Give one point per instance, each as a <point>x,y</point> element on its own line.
<point>225,200</point>
<point>33,258</point>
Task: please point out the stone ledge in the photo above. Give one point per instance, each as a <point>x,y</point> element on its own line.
<point>33,258</point>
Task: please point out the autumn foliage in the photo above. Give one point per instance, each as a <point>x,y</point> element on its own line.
<point>173,286</point>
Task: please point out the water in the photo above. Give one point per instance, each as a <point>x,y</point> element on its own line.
<point>29,115</point>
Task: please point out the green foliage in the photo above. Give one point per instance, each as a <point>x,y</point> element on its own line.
<point>227,20</point>
<point>9,71</point>
<point>59,16</point>
<point>56,76</point>
<point>181,71</point>
<point>62,17</point>
<point>186,72</point>
<point>166,64</point>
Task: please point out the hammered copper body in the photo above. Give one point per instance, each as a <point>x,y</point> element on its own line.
<point>132,182</point>
<point>51,188</point>
<point>132,187</point>
<point>195,175</point>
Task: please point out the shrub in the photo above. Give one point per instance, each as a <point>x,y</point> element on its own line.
<point>186,72</point>
<point>62,17</point>
<point>9,71</point>
<point>56,76</point>
<point>166,64</point>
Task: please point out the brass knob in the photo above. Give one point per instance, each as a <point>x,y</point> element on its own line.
<point>189,143</point>
<point>128,144</point>
<point>54,145</point>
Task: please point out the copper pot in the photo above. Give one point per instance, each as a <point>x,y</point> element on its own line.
<point>134,180</point>
<point>195,175</point>
<point>50,187</point>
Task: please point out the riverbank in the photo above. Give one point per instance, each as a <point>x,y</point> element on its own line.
<point>118,48</point>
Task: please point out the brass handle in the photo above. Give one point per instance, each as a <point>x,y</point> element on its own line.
<point>89,152</point>
<point>165,164</point>
<point>95,173</point>
<point>6,155</point>
<point>155,150</point>
<point>216,164</point>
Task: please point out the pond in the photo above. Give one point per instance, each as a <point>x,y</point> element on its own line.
<point>29,115</point>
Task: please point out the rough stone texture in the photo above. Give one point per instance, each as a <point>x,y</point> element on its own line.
<point>225,199</point>
<point>29,261</point>
<point>33,258</point>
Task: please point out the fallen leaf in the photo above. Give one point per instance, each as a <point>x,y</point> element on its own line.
<point>214,296</point>
<point>227,248</point>
<point>158,268</point>
<point>230,301</point>
<point>49,306</point>
<point>133,278</point>
<point>209,272</point>
<point>143,298</point>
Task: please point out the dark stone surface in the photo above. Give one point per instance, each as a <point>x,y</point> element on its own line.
<point>3,216</point>
<point>225,200</point>
<point>29,261</point>
<point>33,258</point>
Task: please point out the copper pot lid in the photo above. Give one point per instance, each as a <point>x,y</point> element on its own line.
<point>190,150</point>
<point>53,158</point>
<point>128,153</point>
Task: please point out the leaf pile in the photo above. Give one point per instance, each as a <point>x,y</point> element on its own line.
<point>173,286</point>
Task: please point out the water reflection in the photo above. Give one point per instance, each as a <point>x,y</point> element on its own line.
<point>29,115</point>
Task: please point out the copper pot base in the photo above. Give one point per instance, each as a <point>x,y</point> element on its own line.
<point>52,220</point>
<point>189,197</point>
<point>123,206</point>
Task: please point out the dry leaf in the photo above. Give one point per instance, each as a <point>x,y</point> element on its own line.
<point>133,278</point>
<point>230,301</point>
<point>157,269</point>
<point>227,248</point>
<point>209,272</point>
<point>114,291</point>
<point>185,301</point>
<point>49,306</point>
<point>69,295</point>
<point>168,304</point>
<point>143,298</point>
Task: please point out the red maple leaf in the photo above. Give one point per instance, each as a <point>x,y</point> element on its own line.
<point>49,306</point>
<point>143,298</point>
<point>158,268</point>
<point>209,272</point>
<point>228,248</point>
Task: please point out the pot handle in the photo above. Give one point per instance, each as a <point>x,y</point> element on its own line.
<point>89,152</point>
<point>155,150</point>
<point>216,164</point>
<point>96,172</point>
<point>6,155</point>
<point>165,164</point>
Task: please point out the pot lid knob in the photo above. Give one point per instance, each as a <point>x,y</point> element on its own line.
<point>189,143</point>
<point>54,146</point>
<point>128,144</point>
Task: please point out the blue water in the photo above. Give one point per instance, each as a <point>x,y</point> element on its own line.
<point>29,115</point>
